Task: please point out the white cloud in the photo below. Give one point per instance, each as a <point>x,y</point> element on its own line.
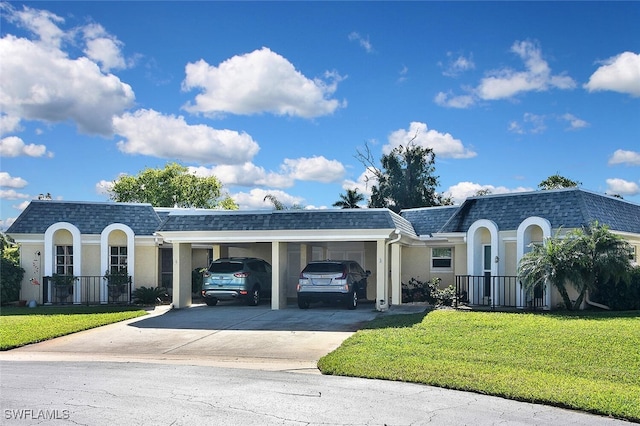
<point>13,146</point>
<point>452,101</point>
<point>363,184</point>
<point>622,187</point>
<point>443,144</point>
<point>148,132</point>
<point>575,123</point>
<point>9,124</point>
<point>506,83</point>
<point>457,64</point>
<point>41,23</point>
<point>7,180</point>
<point>103,48</point>
<point>104,187</point>
<point>258,82</point>
<point>317,168</point>
<point>619,73</point>
<point>70,89</point>
<point>530,124</point>
<point>247,174</point>
<point>12,194</point>
<point>621,156</point>
<point>363,42</point>
<point>254,199</point>
<point>463,190</point>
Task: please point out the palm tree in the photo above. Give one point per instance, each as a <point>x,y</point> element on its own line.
<point>584,258</point>
<point>349,200</point>
<point>277,204</point>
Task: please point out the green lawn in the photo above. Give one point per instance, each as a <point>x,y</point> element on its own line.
<point>21,326</point>
<point>585,361</point>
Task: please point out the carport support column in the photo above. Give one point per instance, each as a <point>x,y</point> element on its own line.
<point>220,251</point>
<point>382,300</point>
<point>181,275</point>
<point>396,274</point>
<point>278,275</point>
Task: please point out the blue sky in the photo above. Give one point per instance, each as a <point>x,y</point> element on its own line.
<point>277,98</point>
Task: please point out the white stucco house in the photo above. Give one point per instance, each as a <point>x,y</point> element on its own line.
<point>475,246</point>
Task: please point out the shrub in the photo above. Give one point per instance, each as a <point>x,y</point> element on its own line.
<point>11,273</point>
<point>618,294</point>
<point>10,281</point>
<point>430,291</point>
<point>149,295</point>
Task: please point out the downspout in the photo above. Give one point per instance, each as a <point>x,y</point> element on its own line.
<point>384,304</point>
<point>597,305</point>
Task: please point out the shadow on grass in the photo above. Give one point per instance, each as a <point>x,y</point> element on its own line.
<point>396,321</point>
<point>68,310</point>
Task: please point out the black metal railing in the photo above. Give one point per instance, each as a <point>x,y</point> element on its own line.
<point>497,291</point>
<point>86,290</point>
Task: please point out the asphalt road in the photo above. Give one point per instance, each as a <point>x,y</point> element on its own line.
<point>231,365</point>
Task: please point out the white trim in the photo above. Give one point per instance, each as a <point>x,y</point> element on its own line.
<point>475,249</point>
<point>104,254</point>
<point>50,255</point>
<point>524,239</point>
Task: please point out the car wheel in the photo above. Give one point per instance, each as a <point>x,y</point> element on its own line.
<point>254,297</point>
<point>303,304</point>
<point>353,300</point>
<point>211,301</point>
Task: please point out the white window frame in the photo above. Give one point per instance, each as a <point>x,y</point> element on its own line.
<point>67,259</point>
<point>434,257</point>
<point>122,259</point>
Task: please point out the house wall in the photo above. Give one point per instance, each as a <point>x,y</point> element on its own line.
<point>146,273</point>
<point>32,261</point>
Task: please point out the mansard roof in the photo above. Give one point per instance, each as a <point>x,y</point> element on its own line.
<point>277,220</point>
<point>88,217</point>
<point>567,208</point>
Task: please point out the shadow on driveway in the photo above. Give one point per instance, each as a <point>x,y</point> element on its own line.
<point>235,316</point>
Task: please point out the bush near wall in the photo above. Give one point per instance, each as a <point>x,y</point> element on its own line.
<point>430,292</point>
<point>10,281</point>
<point>620,295</point>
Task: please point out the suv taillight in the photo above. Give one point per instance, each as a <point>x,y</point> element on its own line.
<point>344,273</point>
<point>241,274</point>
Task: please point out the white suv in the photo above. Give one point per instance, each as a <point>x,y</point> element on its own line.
<point>332,280</point>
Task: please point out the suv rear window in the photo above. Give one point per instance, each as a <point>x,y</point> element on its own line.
<point>324,267</point>
<point>226,267</point>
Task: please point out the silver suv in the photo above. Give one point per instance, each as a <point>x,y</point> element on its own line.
<point>332,280</point>
<point>247,278</point>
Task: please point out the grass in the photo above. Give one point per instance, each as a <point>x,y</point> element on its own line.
<point>584,361</point>
<point>22,326</point>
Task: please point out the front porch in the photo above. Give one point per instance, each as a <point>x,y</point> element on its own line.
<point>498,291</point>
<point>85,290</point>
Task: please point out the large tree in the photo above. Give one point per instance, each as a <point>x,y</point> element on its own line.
<point>172,186</point>
<point>349,200</point>
<point>584,258</point>
<point>406,179</point>
<point>556,182</point>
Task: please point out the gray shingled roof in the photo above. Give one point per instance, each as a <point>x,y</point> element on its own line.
<point>89,218</point>
<point>428,220</point>
<point>568,208</point>
<point>286,220</point>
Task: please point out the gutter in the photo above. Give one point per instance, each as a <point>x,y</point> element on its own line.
<point>383,304</point>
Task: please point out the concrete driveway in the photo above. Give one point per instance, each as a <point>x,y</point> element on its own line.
<point>228,335</point>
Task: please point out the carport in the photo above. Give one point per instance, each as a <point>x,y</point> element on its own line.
<point>381,232</point>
